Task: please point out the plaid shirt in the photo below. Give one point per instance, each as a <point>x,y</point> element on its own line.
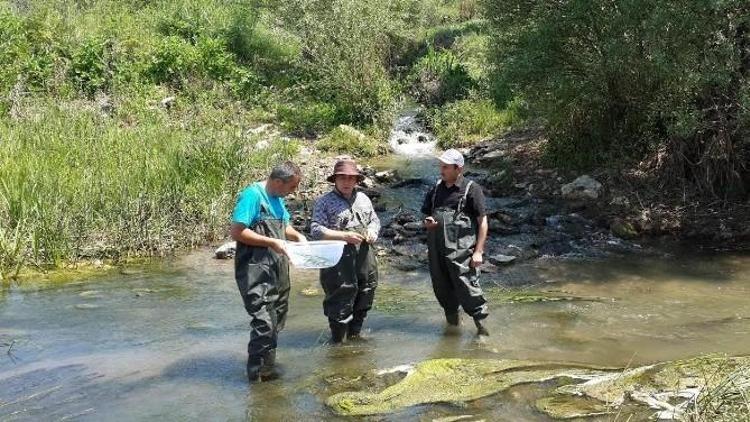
<point>334,212</point>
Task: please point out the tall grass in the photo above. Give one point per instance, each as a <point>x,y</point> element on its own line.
<point>465,122</point>
<point>81,184</point>
<point>93,165</point>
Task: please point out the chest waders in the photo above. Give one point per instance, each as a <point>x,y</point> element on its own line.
<point>450,247</point>
<point>262,277</point>
<point>350,285</point>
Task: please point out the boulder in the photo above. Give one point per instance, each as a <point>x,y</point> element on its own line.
<point>226,251</point>
<point>623,229</point>
<point>500,259</point>
<point>584,187</point>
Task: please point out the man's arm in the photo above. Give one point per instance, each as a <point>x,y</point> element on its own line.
<point>292,234</point>
<point>476,258</point>
<point>429,222</point>
<point>478,204</point>
<point>241,233</point>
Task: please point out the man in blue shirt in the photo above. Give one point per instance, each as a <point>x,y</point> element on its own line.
<point>260,225</point>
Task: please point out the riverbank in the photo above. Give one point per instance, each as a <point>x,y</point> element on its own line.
<point>633,203</point>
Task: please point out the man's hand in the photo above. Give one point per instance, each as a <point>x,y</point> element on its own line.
<point>430,223</point>
<point>279,246</point>
<point>476,260</point>
<point>352,238</point>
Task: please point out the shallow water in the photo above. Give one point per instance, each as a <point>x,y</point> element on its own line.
<point>168,342</point>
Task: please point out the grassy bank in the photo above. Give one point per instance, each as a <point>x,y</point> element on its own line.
<point>79,184</point>
<point>125,125</point>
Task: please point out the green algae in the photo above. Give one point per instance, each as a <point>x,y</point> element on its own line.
<point>570,407</point>
<point>393,298</point>
<point>452,380</point>
<point>701,372</point>
<point>532,296</point>
<point>585,390</point>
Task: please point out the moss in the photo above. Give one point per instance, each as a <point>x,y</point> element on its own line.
<point>391,298</point>
<point>452,380</point>
<point>603,390</point>
<point>346,139</point>
<point>569,407</point>
<point>530,296</point>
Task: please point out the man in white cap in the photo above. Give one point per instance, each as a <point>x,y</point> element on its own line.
<point>456,224</point>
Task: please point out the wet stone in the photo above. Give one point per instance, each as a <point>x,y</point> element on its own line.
<point>310,291</point>
<point>410,249</point>
<point>500,259</point>
<point>86,306</point>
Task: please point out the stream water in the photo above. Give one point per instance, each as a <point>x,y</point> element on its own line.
<point>167,341</point>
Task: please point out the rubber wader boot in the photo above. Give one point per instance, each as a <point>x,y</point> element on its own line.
<point>262,368</point>
<point>338,331</point>
<point>354,331</point>
<point>452,319</point>
<point>481,329</point>
<point>268,370</point>
<point>254,363</point>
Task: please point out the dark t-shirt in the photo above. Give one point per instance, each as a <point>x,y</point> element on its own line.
<point>449,198</point>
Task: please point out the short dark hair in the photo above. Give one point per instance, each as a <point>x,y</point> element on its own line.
<point>285,171</point>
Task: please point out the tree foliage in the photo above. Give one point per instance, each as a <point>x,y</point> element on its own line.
<point>638,78</point>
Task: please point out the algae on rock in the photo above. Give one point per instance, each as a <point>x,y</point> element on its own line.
<point>453,380</point>
<point>668,387</point>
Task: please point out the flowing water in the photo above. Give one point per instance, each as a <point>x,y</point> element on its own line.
<point>168,342</point>
<point>408,136</point>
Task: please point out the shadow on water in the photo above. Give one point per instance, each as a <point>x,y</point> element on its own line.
<point>221,367</point>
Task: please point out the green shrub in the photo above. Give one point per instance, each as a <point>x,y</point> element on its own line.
<point>343,48</point>
<point>633,79</point>
<point>347,140</point>
<point>89,66</point>
<point>439,78</point>
<point>463,123</point>
<point>172,60</point>
<point>76,184</point>
<point>308,118</point>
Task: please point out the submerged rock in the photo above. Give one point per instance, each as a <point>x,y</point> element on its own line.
<point>452,380</point>
<point>671,388</point>
<point>500,259</point>
<point>226,251</point>
<point>85,306</point>
<point>570,407</point>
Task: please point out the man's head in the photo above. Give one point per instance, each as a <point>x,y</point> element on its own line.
<point>451,165</point>
<point>284,179</point>
<point>345,176</point>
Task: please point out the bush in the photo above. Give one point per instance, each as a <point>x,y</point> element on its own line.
<point>632,79</point>
<point>439,77</point>
<point>343,48</point>
<point>346,139</point>
<point>463,123</point>
<point>308,119</point>
<point>80,185</point>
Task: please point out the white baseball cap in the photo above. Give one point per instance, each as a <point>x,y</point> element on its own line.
<point>452,156</point>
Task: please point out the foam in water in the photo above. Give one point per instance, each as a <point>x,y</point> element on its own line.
<point>408,137</point>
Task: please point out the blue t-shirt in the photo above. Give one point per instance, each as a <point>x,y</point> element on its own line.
<point>247,209</point>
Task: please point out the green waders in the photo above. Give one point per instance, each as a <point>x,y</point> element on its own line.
<point>450,247</point>
<point>262,276</point>
<point>350,286</point>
